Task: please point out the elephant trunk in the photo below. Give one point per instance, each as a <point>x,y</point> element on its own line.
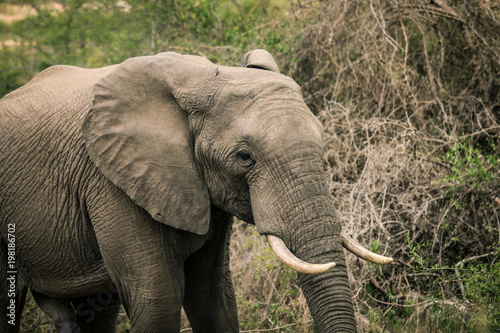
<point>317,240</point>
<point>293,203</point>
<point>328,294</point>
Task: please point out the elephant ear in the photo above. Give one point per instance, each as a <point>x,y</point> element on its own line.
<point>260,59</point>
<point>139,137</point>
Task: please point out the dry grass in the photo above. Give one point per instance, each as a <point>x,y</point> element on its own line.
<point>267,292</point>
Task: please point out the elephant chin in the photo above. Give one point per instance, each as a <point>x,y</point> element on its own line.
<point>287,257</point>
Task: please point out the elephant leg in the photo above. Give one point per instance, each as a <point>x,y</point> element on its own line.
<point>60,310</point>
<point>144,258</point>
<point>13,292</point>
<point>97,312</point>
<point>209,300</point>
<point>151,299</point>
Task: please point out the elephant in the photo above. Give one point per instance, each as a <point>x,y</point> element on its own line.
<point>119,185</point>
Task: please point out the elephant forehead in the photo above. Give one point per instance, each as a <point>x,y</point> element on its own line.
<point>255,89</point>
<point>287,123</point>
<point>253,82</point>
<point>263,125</point>
<point>260,106</point>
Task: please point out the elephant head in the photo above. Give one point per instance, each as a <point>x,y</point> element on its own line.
<point>178,134</point>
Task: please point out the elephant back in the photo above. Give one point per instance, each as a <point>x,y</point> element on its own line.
<point>40,128</point>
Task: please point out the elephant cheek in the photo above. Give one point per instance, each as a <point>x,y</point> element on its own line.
<point>265,212</point>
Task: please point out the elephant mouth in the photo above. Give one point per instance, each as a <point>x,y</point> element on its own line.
<point>239,206</point>
<point>243,210</point>
<point>289,259</point>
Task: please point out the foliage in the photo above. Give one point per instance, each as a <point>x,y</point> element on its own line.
<point>98,33</point>
<point>482,287</point>
<point>34,320</point>
<point>473,167</point>
<point>409,99</point>
<point>479,286</point>
<point>267,292</point>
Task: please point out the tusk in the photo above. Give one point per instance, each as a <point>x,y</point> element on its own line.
<point>284,254</point>
<point>363,253</point>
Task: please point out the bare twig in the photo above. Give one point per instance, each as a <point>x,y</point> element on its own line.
<point>461,262</point>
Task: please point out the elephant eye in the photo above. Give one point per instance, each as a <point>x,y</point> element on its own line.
<point>246,159</point>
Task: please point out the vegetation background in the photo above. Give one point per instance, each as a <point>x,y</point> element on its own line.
<point>409,94</point>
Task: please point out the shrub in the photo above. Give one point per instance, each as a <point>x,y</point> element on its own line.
<point>398,86</point>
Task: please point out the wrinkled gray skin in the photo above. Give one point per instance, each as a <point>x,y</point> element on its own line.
<point>123,180</point>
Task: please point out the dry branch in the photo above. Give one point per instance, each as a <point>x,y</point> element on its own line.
<point>394,84</point>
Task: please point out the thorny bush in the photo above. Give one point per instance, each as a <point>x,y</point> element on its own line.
<point>398,85</point>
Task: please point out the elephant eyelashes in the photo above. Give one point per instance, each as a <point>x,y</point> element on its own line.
<point>246,159</point>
